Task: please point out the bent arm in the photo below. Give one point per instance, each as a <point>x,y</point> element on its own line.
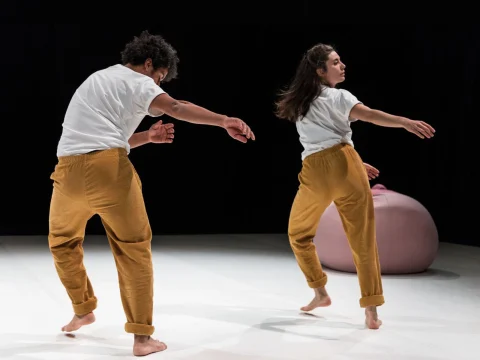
<point>183,110</point>
<point>138,139</point>
<point>377,117</point>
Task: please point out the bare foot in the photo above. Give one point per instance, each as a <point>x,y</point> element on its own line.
<point>79,321</point>
<point>145,345</point>
<point>321,299</point>
<point>371,318</point>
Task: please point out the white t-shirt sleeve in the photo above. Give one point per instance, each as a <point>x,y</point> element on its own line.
<point>345,102</point>
<point>144,94</point>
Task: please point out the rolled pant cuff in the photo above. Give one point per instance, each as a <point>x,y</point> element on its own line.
<point>139,329</point>
<point>86,307</point>
<point>318,283</point>
<point>374,300</point>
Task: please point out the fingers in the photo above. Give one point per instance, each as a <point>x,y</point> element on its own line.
<point>372,172</point>
<point>426,129</point>
<point>170,133</point>
<point>247,132</point>
<point>160,133</point>
<point>422,130</point>
<point>372,175</point>
<point>168,128</point>
<point>370,168</point>
<point>159,123</point>
<point>432,130</point>
<point>243,128</point>
<point>240,138</point>
<point>419,134</point>
<point>415,130</point>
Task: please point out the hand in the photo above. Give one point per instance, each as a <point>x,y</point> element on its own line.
<point>238,130</point>
<point>371,171</point>
<point>159,133</point>
<point>419,128</point>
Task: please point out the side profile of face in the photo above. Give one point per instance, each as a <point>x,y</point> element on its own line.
<point>156,74</point>
<point>335,70</point>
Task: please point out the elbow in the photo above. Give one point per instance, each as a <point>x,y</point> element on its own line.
<point>175,109</point>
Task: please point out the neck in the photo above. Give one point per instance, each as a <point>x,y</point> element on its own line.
<point>326,83</point>
<point>138,68</point>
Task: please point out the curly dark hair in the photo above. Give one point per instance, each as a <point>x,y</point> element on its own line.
<point>154,47</point>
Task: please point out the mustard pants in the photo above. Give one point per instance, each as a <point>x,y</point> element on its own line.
<point>103,183</point>
<point>337,174</point>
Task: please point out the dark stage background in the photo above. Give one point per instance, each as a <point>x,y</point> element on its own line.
<point>205,182</point>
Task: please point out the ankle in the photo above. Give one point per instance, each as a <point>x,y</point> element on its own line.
<point>372,309</point>
<point>82,315</point>
<point>141,338</point>
<point>321,291</point>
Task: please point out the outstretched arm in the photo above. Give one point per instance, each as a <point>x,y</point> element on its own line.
<point>381,118</point>
<point>183,110</point>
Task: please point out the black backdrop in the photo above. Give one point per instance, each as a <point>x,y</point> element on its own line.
<point>208,183</point>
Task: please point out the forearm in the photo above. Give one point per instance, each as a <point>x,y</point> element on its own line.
<point>138,139</point>
<point>196,114</point>
<point>381,118</point>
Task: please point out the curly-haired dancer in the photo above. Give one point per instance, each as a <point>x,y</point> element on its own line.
<point>95,176</point>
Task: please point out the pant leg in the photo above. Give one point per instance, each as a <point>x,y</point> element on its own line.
<point>355,206</point>
<point>114,191</point>
<point>312,198</point>
<point>69,214</point>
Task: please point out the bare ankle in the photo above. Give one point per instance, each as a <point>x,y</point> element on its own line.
<point>83,315</point>
<point>321,291</point>
<point>141,338</point>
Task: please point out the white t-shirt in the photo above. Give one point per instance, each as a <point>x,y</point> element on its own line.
<point>106,110</point>
<point>327,121</point>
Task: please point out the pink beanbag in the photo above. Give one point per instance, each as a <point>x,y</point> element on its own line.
<point>406,234</point>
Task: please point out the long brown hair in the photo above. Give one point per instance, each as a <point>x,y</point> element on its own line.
<point>295,101</point>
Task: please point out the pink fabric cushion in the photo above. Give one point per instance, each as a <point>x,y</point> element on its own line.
<point>407,237</point>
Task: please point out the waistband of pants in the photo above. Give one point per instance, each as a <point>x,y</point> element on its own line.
<point>70,159</point>
<point>328,151</point>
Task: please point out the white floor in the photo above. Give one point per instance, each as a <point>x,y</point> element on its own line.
<point>235,297</point>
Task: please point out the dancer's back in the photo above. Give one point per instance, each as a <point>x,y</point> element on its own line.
<point>106,110</point>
